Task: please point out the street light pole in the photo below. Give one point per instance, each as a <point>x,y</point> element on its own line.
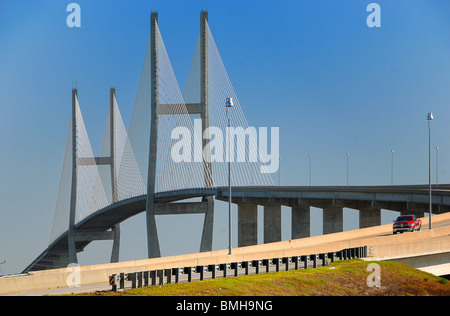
<point>348,154</point>
<point>437,166</point>
<point>392,168</point>
<point>309,170</point>
<point>279,171</point>
<point>229,104</point>
<point>3,262</point>
<point>429,119</point>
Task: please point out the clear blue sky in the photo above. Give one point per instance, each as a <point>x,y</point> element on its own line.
<point>313,68</point>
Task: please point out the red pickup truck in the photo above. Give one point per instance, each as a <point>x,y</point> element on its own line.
<point>405,223</point>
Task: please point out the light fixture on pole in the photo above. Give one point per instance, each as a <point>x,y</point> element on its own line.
<point>429,119</point>
<point>229,104</point>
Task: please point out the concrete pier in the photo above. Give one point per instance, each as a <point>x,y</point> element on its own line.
<point>301,221</point>
<point>272,223</point>
<point>247,224</point>
<point>333,219</point>
<point>369,217</point>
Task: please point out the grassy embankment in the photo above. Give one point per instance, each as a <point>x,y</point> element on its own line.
<point>338,279</point>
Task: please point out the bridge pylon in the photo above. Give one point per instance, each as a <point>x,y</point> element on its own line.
<point>157,109</point>
<point>76,238</point>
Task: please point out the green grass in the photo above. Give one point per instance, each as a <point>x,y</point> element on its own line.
<point>342,278</point>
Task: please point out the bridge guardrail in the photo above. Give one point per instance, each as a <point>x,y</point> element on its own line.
<point>164,276</point>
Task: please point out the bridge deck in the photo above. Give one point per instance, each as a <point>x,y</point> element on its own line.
<point>104,219</point>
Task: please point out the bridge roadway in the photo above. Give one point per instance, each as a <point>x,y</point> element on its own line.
<point>368,199</point>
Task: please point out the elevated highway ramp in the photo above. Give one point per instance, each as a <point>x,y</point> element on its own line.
<point>382,245</point>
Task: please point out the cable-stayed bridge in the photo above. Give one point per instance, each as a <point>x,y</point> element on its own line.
<point>140,162</point>
<point>170,154</point>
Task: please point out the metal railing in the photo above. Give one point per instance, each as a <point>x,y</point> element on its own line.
<point>213,271</point>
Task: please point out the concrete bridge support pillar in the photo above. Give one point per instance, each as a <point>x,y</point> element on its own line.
<point>333,219</point>
<point>247,224</point>
<point>369,217</point>
<point>272,223</point>
<point>116,243</point>
<point>208,225</point>
<point>301,222</point>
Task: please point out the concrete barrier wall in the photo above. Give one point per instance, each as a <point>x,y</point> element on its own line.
<point>399,250</point>
<point>389,245</point>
